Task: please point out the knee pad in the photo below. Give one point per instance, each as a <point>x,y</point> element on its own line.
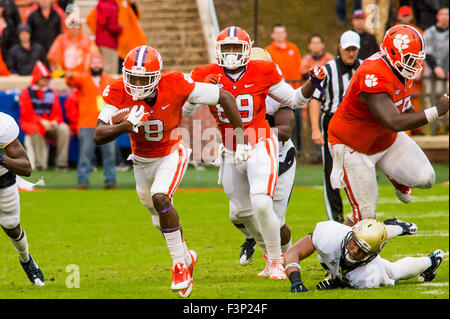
<point>144,196</point>
<point>9,221</point>
<point>262,203</point>
<point>426,178</point>
<point>235,214</point>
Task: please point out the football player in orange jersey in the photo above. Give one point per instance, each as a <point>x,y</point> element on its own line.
<point>250,185</point>
<point>159,156</point>
<point>365,132</point>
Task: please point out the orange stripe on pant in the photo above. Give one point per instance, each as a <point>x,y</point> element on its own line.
<point>273,162</point>
<point>180,168</point>
<point>355,207</point>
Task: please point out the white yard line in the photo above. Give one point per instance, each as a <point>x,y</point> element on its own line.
<point>435,284</point>
<point>416,199</point>
<point>431,214</point>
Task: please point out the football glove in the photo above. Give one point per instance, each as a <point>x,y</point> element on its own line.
<point>298,287</point>
<point>213,78</point>
<point>316,76</point>
<point>135,116</point>
<point>242,153</point>
<point>330,283</point>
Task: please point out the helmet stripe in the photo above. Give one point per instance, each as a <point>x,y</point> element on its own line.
<point>418,34</point>
<point>143,56</point>
<point>139,56</point>
<point>232,32</point>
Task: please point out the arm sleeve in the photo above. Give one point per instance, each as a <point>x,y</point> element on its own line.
<point>286,95</point>
<point>107,111</point>
<point>204,93</point>
<point>189,109</point>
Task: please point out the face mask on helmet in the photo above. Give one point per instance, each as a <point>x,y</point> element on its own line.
<point>367,255</point>
<point>232,55</point>
<point>138,83</point>
<point>411,65</point>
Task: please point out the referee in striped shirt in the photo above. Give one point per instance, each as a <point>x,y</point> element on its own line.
<point>322,107</point>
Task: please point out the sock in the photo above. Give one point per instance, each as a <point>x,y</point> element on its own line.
<point>269,225</point>
<point>393,231</point>
<point>187,256</point>
<point>285,247</point>
<point>175,245</point>
<point>408,267</point>
<point>21,246</point>
<point>244,230</point>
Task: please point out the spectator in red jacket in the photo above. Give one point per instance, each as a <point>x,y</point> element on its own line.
<point>42,121</point>
<point>107,33</point>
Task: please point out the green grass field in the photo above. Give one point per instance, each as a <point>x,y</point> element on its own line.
<point>108,235</point>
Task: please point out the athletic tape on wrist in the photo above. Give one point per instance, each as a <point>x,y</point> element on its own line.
<point>292,265</point>
<point>431,114</point>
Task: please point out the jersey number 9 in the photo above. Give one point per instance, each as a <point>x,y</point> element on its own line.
<point>245,105</point>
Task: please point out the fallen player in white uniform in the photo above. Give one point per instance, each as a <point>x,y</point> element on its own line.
<point>351,257</point>
<point>14,160</point>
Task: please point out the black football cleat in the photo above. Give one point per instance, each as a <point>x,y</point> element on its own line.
<point>33,272</point>
<point>408,228</point>
<point>247,251</point>
<point>436,257</point>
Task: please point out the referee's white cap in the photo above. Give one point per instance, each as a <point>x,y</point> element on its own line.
<point>350,39</point>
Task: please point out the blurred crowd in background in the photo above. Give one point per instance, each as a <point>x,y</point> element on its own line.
<point>44,39</point>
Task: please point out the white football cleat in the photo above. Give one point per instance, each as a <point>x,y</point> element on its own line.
<point>276,270</point>
<point>187,292</point>
<point>404,193</point>
<point>181,278</point>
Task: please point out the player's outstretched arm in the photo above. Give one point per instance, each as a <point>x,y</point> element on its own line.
<point>286,95</point>
<point>299,251</point>
<point>105,133</point>
<point>382,108</point>
<point>15,159</point>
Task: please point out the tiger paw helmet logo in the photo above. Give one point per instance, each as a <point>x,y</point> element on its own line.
<point>371,80</point>
<point>401,41</point>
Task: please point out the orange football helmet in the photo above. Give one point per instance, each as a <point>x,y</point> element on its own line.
<point>141,71</point>
<point>230,59</point>
<point>405,49</point>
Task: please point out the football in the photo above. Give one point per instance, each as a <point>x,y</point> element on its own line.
<point>120,115</point>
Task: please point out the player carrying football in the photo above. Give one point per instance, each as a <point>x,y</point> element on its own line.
<point>365,132</point>
<point>159,156</point>
<point>14,160</point>
<point>250,186</point>
<point>351,257</point>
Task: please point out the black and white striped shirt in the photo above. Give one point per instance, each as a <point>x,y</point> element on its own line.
<point>335,85</point>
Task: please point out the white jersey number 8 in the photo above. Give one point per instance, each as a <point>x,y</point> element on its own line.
<point>245,105</point>
<point>154,130</point>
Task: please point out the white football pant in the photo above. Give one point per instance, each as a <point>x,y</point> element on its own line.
<point>160,175</point>
<point>404,161</point>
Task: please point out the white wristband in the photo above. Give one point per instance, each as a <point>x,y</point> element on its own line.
<point>292,265</point>
<point>431,114</point>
